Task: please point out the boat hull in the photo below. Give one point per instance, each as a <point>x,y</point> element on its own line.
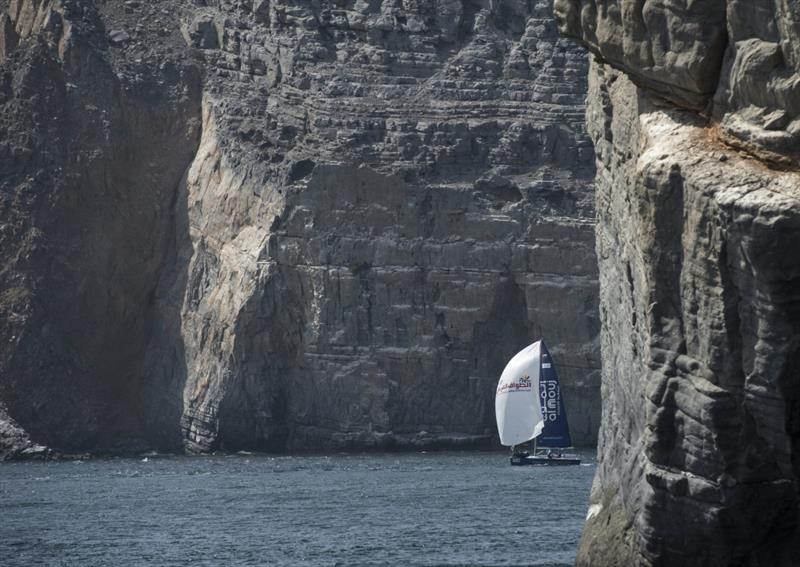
<point>544,461</point>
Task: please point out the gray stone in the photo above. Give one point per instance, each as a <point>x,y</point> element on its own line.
<point>78,277</point>
<point>118,37</point>
<point>698,218</point>
<point>700,343</point>
<point>382,230</point>
<point>736,59</point>
<point>8,36</point>
<point>370,211</point>
<point>673,47</point>
<point>15,443</point>
<point>759,94</point>
<point>261,11</point>
<point>202,32</point>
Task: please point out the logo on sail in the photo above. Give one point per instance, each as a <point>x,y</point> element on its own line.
<point>550,397</point>
<point>523,384</point>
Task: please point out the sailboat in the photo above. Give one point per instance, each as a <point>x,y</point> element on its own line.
<point>528,405</point>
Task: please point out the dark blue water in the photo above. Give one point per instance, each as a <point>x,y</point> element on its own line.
<point>390,509</point>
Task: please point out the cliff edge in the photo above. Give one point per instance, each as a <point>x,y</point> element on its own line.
<point>693,109</point>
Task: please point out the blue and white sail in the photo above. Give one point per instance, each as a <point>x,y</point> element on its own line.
<point>528,401</point>
<point>517,401</point>
<point>555,432</point>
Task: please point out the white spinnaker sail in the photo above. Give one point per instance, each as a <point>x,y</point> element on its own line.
<point>516,402</point>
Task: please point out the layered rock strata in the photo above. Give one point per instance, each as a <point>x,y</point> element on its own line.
<point>293,225</point>
<point>698,202</point>
<point>380,210</point>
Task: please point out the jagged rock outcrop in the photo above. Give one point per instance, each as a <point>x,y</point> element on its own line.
<point>289,224</point>
<point>741,55</point>
<point>15,443</point>
<point>698,222</point>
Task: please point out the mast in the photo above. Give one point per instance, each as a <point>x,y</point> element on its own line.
<point>538,389</point>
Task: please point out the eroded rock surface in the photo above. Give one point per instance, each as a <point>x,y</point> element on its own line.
<point>93,147</point>
<point>698,221</point>
<point>742,55</point>
<point>291,225</point>
<point>399,205</point>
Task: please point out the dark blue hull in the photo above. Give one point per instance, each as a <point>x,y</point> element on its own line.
<point>543,460</point>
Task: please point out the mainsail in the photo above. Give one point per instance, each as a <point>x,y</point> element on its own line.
<point>516,403</point>
<point>556,429</point>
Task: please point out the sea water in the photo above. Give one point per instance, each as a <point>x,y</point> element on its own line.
<point>437,508</point>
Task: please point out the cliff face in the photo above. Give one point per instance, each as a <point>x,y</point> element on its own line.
<point>93,146</point>
<point>289,225</point>
<point>698,220</point>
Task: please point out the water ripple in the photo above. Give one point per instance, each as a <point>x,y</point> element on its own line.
<point>443,509</point>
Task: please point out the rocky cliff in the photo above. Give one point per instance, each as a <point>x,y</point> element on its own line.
<point>94,142</point>
<point>289,224</point>
<point>693,108</point>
